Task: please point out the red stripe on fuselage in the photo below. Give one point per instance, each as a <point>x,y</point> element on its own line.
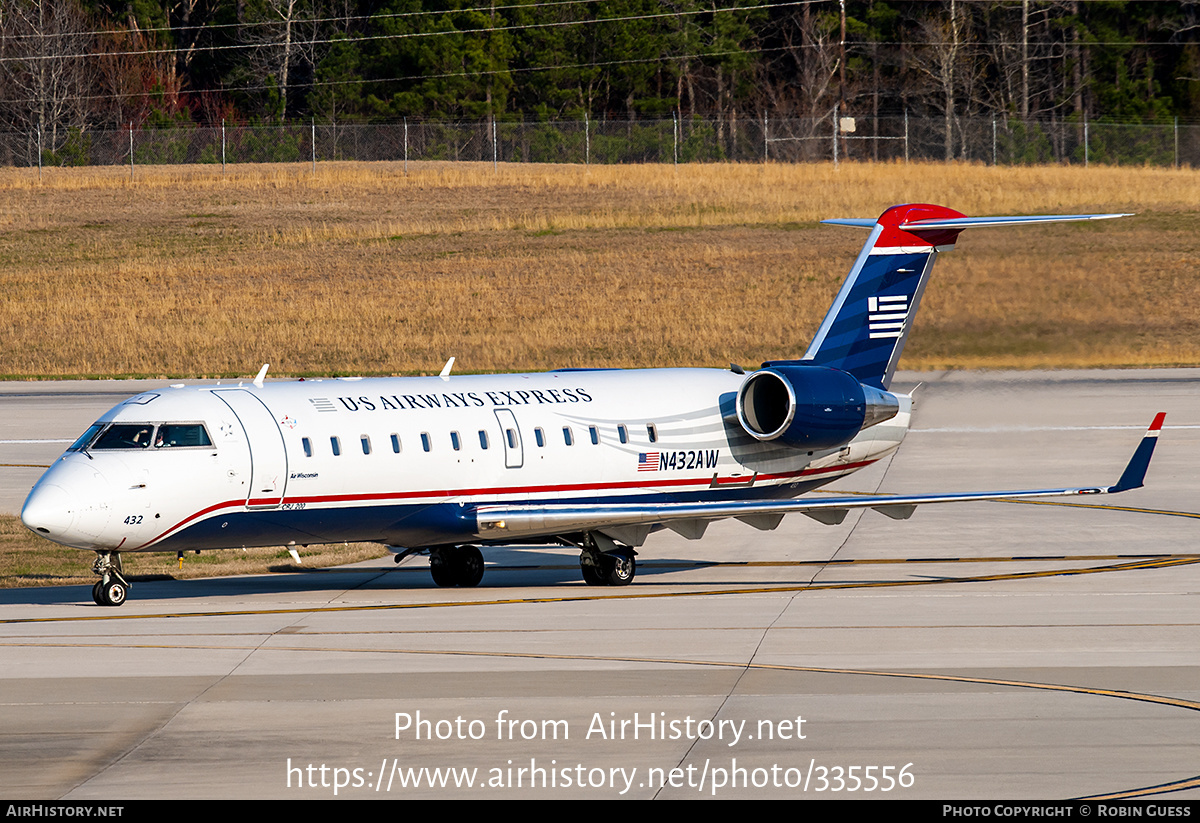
<point>435,495</point>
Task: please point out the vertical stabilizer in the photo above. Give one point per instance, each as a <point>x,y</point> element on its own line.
<point>865,329</point>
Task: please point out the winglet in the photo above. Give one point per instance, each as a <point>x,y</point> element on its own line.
<point>1135,472</point>
<point>445,373</point>
<point>258,380</point>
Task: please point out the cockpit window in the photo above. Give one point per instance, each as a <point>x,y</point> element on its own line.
<point>124,436</point>
<point>86,437</point>
<point>178,435</point>
<point>103,436</point>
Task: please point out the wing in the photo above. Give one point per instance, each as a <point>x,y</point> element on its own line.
<point>634,520</point>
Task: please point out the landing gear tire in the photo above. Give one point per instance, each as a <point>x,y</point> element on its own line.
<point>457,566</point>
<point>605,562</point>
<point>615,568</point>
<point>470,566</point>
<point>441,566</point>
<point>591,575</point>
<point>618,569</point>
<point>112,588</point>
<point>112,593</point>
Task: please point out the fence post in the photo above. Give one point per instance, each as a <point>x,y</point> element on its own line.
<point>1176,141</point>
<point>39,152</point>
<point>993,139</point>
<point>766,139</point>
<point>835,135</point>
<point>406,147</point>
<point>313,121</point>
<point>1085,142</point>
<point>222,145</point>
<point>675,137</point>
<point>587,141</point>
<point>130,149</point>
<point>906,136</point>
<point>495,164</point>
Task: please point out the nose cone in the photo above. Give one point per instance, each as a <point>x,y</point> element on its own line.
<point>48,512</point>
<point>71,505</point>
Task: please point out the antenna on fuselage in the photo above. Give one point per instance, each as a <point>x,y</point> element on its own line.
<point>445,373</point>
<point>258,380</point>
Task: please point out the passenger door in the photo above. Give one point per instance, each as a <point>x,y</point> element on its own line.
<point>268,458</point>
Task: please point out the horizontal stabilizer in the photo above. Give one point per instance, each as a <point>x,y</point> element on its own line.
<point>978,222</point>
<point>853,222</point>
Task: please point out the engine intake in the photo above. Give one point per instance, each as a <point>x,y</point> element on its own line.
<point>810,407</point>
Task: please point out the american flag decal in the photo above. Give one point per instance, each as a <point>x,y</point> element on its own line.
<point>648,462</point>
<point>885,315</point>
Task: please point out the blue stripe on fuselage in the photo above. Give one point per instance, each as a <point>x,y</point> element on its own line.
<point>409,524</point>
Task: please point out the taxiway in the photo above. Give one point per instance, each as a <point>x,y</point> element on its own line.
<point>990,650</point>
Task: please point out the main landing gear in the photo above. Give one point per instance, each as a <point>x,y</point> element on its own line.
<point>604,563</point>
<point>456,566</point>
<point>112,588</point>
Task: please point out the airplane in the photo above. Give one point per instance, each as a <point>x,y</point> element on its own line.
<point>597,459</point>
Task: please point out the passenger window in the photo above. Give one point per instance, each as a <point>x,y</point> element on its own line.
<point>307,444</point>
<point>595,433</point>
<point>426,443</point>
<point>483,439</point>
<point>567,436</point>
<point>366,444</point>
<point>454,441</point>
<point>337,446</point>
<point>623,434</point>
<point>512,438</point>
<point>396,443</point>
<point>540,437</point>
<point>652,432</point>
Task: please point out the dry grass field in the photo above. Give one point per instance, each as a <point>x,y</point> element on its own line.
<point>360,269</point>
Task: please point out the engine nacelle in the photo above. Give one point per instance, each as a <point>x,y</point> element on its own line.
<point>810,407</point>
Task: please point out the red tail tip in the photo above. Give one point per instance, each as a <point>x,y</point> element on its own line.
<point>893,218</point>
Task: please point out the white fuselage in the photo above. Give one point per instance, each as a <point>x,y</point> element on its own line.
<point>394,460</point>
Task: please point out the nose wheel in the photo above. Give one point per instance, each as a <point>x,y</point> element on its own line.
<point>112,588</point>
<point>112,593</point>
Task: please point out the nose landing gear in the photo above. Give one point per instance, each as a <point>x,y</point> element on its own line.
<point>112,588</point>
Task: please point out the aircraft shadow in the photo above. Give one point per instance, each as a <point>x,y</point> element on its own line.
<point>507,567</point>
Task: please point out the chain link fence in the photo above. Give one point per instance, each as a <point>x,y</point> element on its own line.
<point>990,140</point>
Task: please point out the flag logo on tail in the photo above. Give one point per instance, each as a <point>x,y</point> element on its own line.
<point>885,315</point>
